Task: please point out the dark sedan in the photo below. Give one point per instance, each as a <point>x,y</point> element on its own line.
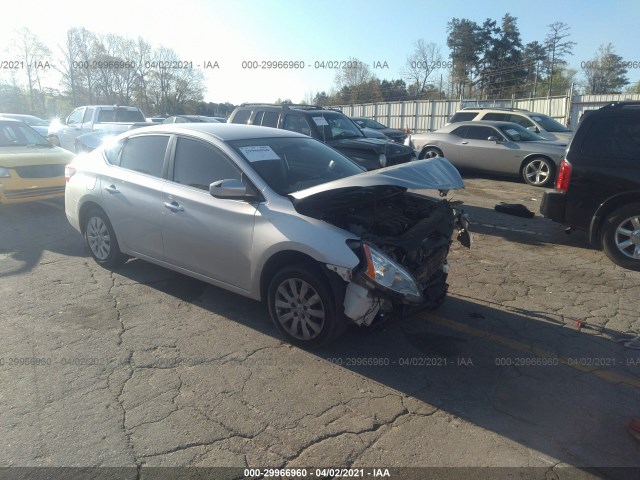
<point>392,133</point>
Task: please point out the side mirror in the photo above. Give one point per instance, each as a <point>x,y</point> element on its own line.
<point>229,188</point>
<point>493,138</point>
<point>533,129</point>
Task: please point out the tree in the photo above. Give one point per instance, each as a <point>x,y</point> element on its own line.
<point>426,58</point>
<point>356,83</point>
<point>605,72</point>
<point>465,44</point>
<point>35,57</point>
<point>534,58</point>
<point>557,47</point>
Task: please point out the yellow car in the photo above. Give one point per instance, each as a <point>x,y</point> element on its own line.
<point>30,167</point>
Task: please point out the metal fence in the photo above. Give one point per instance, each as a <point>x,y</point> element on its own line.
<point>429,115</point>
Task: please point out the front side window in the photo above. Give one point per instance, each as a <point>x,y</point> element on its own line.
<point>480,133</point>
<point>75,117</point>
<point>88,115</point>
<point>198,164</point>
<point>296,123</point>
<point>145,154</point>
<point>520,120</point>
<point>270,119</point>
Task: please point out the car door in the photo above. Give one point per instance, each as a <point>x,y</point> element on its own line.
<point>482,154</point>
<point>206,235</point>
<point>72,129</point>
<point>132,193</point>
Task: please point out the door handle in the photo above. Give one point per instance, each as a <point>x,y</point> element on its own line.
<point>464,143</point>
<point>112,189</point>
<point>174,206</point>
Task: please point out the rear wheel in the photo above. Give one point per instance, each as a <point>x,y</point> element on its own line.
<point>538,171</point>
<point>302,307</point>
<point>621,236</point>
<point>101,239</point>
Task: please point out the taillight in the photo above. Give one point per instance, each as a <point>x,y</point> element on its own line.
<point>564,176</point>
<point>69,172</point>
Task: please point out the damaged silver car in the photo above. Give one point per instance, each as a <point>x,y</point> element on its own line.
<point>272,215</point>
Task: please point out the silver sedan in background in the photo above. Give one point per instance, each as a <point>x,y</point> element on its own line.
<point>494,147</point>
<point>272,215</point>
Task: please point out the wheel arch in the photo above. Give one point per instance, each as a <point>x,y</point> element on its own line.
<point>84,211</point>
<point>427,146</point>
<point>605,209</point>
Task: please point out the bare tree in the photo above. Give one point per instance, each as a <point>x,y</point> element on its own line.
<point>354,80</point>
<point>557,48</point>
<point>426,58</point>
<point>35,56</point>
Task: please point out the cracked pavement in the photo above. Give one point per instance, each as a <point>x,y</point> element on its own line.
<point>142,367</point>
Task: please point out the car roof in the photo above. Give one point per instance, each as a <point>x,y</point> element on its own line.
<point>479,123</point>
<point>222,131</point>
<point>10,121</point>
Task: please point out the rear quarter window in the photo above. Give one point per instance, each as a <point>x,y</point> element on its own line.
<point>241,116</point>
<point>613,137</point>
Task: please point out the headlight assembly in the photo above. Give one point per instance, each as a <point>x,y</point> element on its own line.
<point>387,274</point>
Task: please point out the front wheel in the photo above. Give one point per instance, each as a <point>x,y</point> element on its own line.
<point>538,172</point>
<point>101,239</point>
<point>621,236</point>
<point>431,152</point>
<point>301,305</point>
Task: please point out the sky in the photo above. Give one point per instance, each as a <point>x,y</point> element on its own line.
<point>233,32</point>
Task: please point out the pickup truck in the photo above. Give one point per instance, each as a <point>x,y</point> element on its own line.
<point>93,118</point>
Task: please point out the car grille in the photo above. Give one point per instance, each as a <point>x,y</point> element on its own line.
<point>33,192</point>
<point>40,171</point>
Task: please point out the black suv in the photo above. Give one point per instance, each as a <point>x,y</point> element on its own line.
<point>329,126</point>
<point>598,184</point>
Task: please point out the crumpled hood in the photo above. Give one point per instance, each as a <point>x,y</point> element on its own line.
<point>431,173</point>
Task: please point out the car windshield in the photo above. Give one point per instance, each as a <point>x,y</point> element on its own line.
<point>292,164</point>
<point>20,135</point>
<point>368,123</point>
<point>335,126</point>
<point>549,124</point>
<point>518,133</point>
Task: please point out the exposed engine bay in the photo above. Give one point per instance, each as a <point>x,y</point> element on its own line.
<point>410,229</point>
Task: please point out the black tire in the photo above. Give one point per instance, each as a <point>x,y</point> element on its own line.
<point>431,152</point>
<point>621,236</point>
<point>101,239</point>
<point>538,171</point>
<point>291,294</point>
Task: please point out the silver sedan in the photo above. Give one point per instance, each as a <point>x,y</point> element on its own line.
<point>494,147</point>
<point>272,215</point>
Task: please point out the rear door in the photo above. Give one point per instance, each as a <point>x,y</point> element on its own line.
<point>206,235</point>
<point>132,193</point>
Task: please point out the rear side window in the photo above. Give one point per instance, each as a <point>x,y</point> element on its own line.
<point>463,117</point>
<point>460,131</point>
<point>613,137</point>
<point>198,164</point>
<point>145,154</point>
<point>500,117</point>
<point>270,119</point>
<point>241,116</point>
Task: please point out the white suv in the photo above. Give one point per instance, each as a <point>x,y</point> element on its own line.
<point>543,125</point>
